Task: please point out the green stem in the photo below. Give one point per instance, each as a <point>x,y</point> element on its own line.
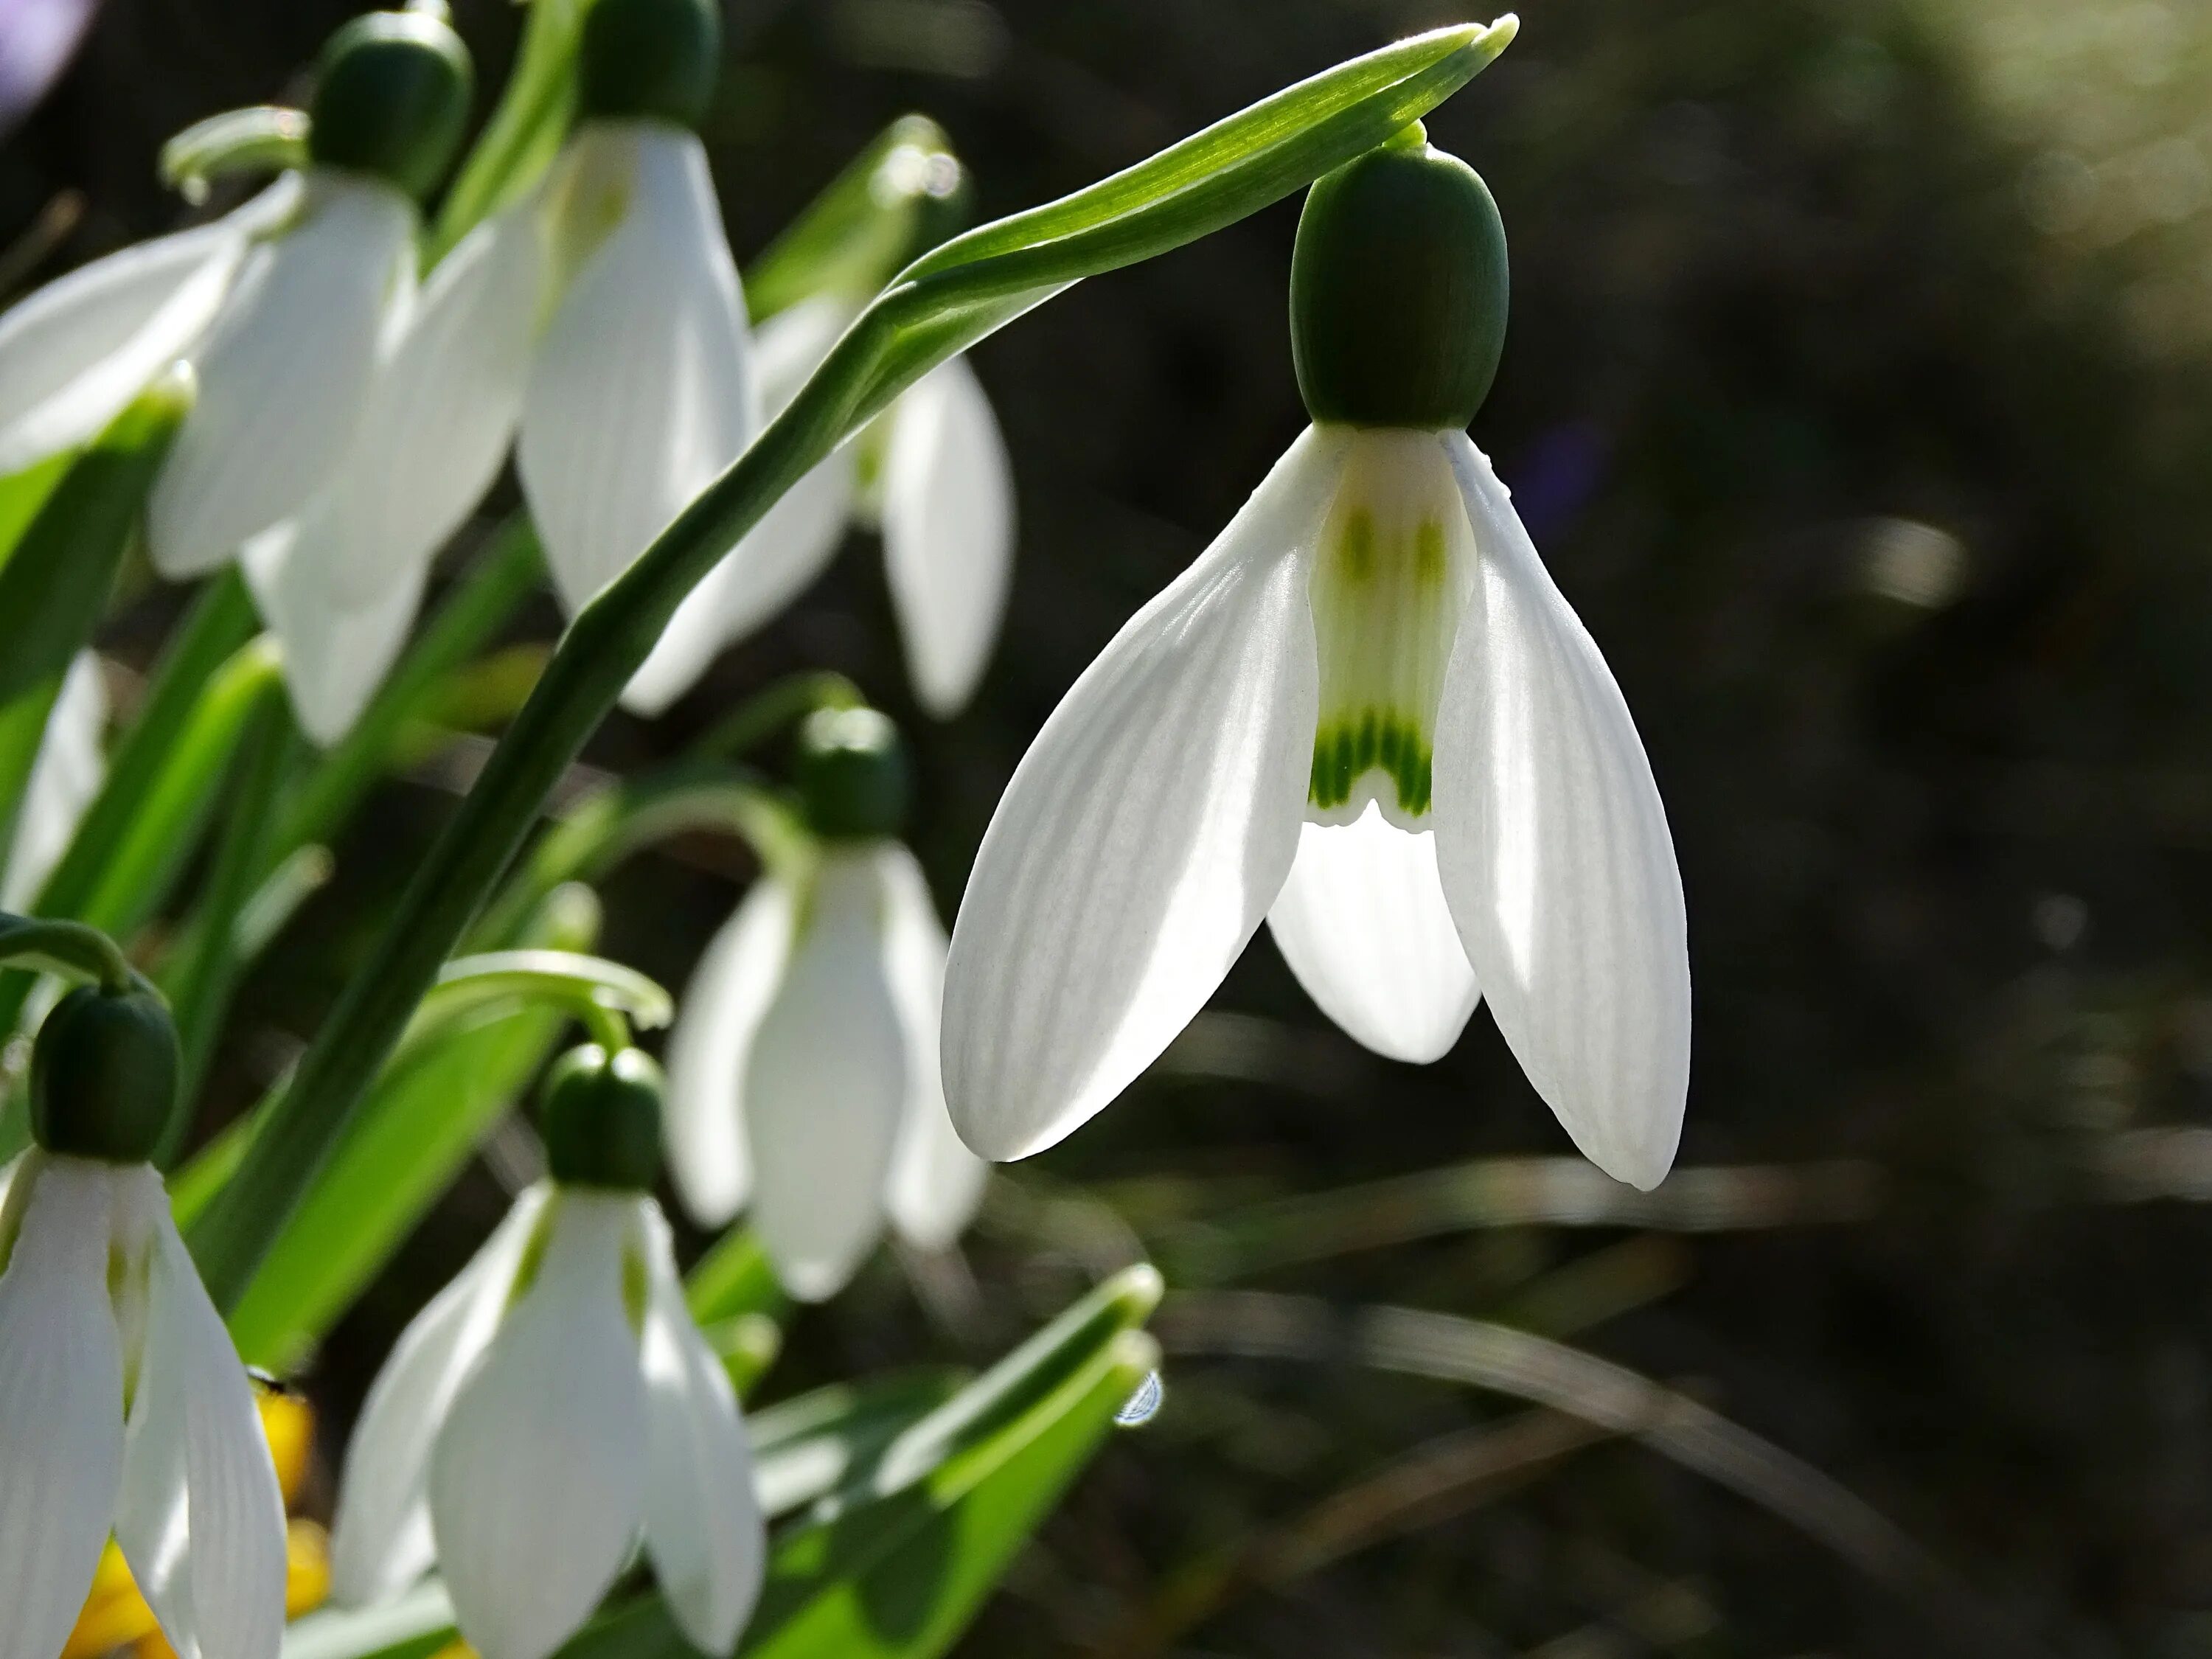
<point>953,297</point>
<point>783,702</point>
<point>66,947</point>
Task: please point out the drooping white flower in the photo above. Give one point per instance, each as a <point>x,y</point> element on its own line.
<point>931,473</point>
<point>65,775</point>
<point>1364,713</point>
<point>126,1409</point>
<point>803,1071</point>
<point>552,1404</point>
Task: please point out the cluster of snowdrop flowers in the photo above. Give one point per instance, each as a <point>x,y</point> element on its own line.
<point>555,1402</point>
<point>803,1070</point>
<point>126,1407</point>
<point>1366,715</point>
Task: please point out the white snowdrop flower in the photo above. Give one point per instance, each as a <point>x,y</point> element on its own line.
<point>286,364</point>
<point>127,1409</point>
<point>931,473</point>
<point>555,1402</point>
<point>803,1066</point>
<point>641,388</point>
<point>65,774</point>
<point>1365,713</point>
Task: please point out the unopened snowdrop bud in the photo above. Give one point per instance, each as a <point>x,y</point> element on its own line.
<point>803,1066</point>
<point>391,98</point>
<point>602,1119</point>
<point>555,1402</point>
<point>648,59</point>
<point>1364,714</point>
<point>127,1410</point>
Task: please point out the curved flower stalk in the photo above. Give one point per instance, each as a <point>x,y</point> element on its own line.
<point>65,774</point>
<point>127,1409</point>
<point>555,1401</point>
<point>931,473</point>
<point>1364,713</point>
<point>803,1071</point>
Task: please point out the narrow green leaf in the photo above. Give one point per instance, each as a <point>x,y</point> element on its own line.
<point>525,131</point>
<point>22,494</point>
<point>22,729</point>
<point>732,1279</point>
<point>860,229</point>
<point>55,585</point>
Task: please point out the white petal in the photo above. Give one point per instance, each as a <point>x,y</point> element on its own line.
<point>439,413</point>
<point>1555,855</point>
<point>936,1182</point>
<point>61,1430</point>
<point>381,1536</point>
<point>948,531</point>
<point>537,1478</point>
<point>825,1086</point>
<point>782,554</point>
<point>736,978</point>
<point>65,777</point>
<point>642,392</point>
<point>1145,834</point>
<point>283,373</point>
<point>335,657</point>
<point>703,1526</point>
<point>74,353</point>
<point>1364,925</point>
<point>200,1518</point>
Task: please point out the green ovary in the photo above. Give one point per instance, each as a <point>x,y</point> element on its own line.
<point>1387,587</point>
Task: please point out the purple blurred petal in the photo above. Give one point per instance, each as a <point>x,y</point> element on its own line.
<point>38,37</point>
<point>1556,476</point>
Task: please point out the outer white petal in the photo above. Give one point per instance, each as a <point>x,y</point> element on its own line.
<point>826,1085</point>
<point>65,777</point>
<point>61,1430</point>
<point>1555,855</point>
<point>936,1182</point>
<point>537,1478</point>
<point>200,1518</point>
<point>703,1526</point>
<point>642,392</point>
<point>782,554</point>
<point>1363,923</point>
<point>335,657</point>
<point>736,980</point>
<point>74,353</point>
<point>1145,834</point>
<point>948,531</point>
<point>283,373</point>
<point>381,1536</point>
<point>439,413</point>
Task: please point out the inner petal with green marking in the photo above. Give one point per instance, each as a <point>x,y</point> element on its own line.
<point>1389,581</point>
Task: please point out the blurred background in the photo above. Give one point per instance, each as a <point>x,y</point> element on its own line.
<point>1859,394</point>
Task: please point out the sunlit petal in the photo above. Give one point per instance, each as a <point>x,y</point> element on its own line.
<point>65,777</point>
<point>936,1182</point>
<point>1555,856</point>
<point>1145,834</point>
<point>335,657</point>
<point>283,372</point>
<point>948,531</point>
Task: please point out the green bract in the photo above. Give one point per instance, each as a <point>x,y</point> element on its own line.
<point>104,1075</point>
<point>853,779</point>
<point>655,59</point>
<point>1398,290</point>
<point>602,1118</point>
<point>391,99</point>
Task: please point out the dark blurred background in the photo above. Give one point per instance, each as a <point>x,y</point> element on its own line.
<point>1858,393</point>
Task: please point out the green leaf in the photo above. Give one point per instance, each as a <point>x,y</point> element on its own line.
<point>860,229</point>
<point>733,1278</point>
<point>22,494</point>
<point>424,1121</point>
<point>55,583</point>
<point>525,132</point>
<point>22,730</point>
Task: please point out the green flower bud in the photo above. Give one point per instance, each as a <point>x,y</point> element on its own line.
<point>853,779</point>
<point>104,1073</point>
<point>656,59</point>
<point>1398,289</point>
<point>602,1119</point>
<point>391,98</point>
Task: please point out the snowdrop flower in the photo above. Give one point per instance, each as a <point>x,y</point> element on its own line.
<point>126,1407</point>
<point>287,361</point>
<point>803,1066</point>
<point>1366,713</point>
<point>553,1402</point>
<point>931,473</point>
<point>65,774</point>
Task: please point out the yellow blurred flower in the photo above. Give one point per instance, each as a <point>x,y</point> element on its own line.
<point>116,1616</point>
